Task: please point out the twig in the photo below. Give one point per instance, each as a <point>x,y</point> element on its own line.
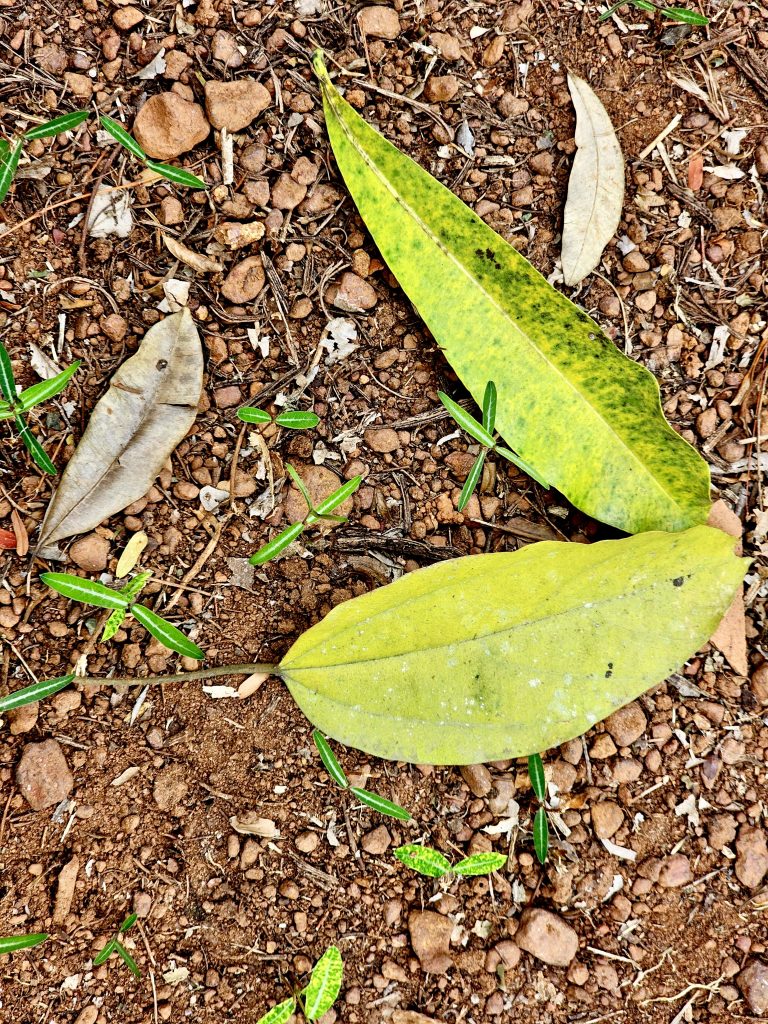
<point>180,677</point>
<point>203,558</point>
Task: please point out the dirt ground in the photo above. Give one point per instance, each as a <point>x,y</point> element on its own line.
<point>229,922</point>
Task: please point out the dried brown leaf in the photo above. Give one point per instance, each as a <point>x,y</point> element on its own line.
<point>202,264</point>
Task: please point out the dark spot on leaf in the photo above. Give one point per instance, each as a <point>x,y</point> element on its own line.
<point>678,582</point>
<point>161,364</point>
<point>609,673</point>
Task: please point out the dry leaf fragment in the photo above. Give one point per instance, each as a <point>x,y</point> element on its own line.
<point>131,554</point>
<point>250,824</point>
<point>20,532</point>
<point>65,891</point>
<point>595,187</point>
<point>202,264</point>
<point>150,406</point>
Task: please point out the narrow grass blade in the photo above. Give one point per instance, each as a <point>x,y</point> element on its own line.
<point>46,388</point>
<point>339,497</point>
<point>129,922</point>
<point>279,1014</point>
<point>127,959</point>
<point>301,486</point>
<point>480,864</point>
<point>423,859</point>
<point>10,162</point>
<point>104,954</point>
<point>521,464</point>
<point>536,773</point>
<point>681,14</point>
<point>33,446</point>
<point>113,623</point>
<point>472,479</point>
<point>328,758</point>
<point>13,943</point>
<point>7,381</point>
<point>87,591</point>
<point>251,415</point>
<point>324,984</point>
<point>280,543</point>
<point>293,419</point>
<point>466,422</point>
<point>381,804</point>
<point>611,11</point>
<point>34,692</point>
<point>176,175</point>
<point>62,123</point>
<point>166,633</point>
<point>119,134</point>
<point>489,407</point>
<point>541,835</point>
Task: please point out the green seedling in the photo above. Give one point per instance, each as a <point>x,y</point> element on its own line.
<point>673,13</point>
<point>175,174</point>
<point>14,943</point>
<point>122,602</point>
<point>323,511</point>
<point>483,434</point>
<point>317,997</point>
<point>540,821</point>
<point>430,862</point>
<point>15,406</point>
<point>34,692</point>
<point>293,419</point>
<point>373,800</point>
<point>115,946</point>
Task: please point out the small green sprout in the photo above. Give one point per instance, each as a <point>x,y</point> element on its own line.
<point>15,406</point>
<point>540,822</point>
<point>673,13</point>
<point>293,419</point>
<point>317,997</point>
<point>430,862</point>
<point>115,946</point>
<point>34,692</point>
<point>14,943</point>
<point>373,800</point>
<point>175,174</point>
<point>121,602</point>
<point>323,511</point>
<point>483,434</point>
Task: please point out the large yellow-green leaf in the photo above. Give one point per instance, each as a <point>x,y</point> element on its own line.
<point>496,656</point>
<point>585,416</point>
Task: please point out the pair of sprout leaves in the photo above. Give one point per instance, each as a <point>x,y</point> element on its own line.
<point>10,152</point>
<point>15,943</point>
<point>317,996</point>
<point>681,14</point>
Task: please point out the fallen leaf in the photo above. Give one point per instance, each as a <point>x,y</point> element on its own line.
<point>176,295</point>
<point>202,264</point>
<point>176,976</point>
<point>20,531</point>
<point>619,851</point>
<point>155,67</point>
<point>110,214</point>
<point>250,824</point>
<point>730,637</point>
<point>150,406</point>
<point>220,692</point>
<point>696,172</point>
<point>728,172</point>
<point>125,776</point>
<point>131,554</point>
<point>43,365</point>
<point>595,187</point>
<point>341,334</point>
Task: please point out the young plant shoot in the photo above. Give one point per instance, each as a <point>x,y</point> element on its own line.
<point>681,14</point>
<point>430,862</point>
<point>115,946</point>
<point>292,419</point>
<point>14,943</point>
<point>373,800</point>
<point>15,406</point>
<point>540,821</point>
<point>318,995</point>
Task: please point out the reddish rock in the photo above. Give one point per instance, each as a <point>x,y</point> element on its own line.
<point>168,125</point>
<point>547,937</point>
<point>43,775</point>
<point>235,105</point>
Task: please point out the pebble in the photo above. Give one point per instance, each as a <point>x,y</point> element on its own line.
<point>412,1017</point>
<point>236,236</point>
<point>759,684</point>
<point>354,295</point>
<point>607,819</point>
<point>603,747</point>
<point>722,831</point>
<point>88,1015</point>
<point>287,193</point>
<point>114,326</point>
<point>43,775</point>
<point>142,904</point>
<point>675,871</point>
<point>494,51</point>
<point>126,18</point>
<point>627,724</point>
<point>244,281</point>
<point>235,105</point>
<point>753,982</point>
<point>380,22</point>
<point>184,490</point>
<point>477,777</point>
<point>751,856</point>
<point>171,211</point>
<point>224,48</point>
<point>441,88</point>
<point>645,301</point>
<point>377,841</point>
<point>448,46</point>
<point>228,397</point>
<point>23,719</point>
<point>761,159</point>
<point>80,86</point>
<point>168,125</point>
<point>382,439</point>
<point>170,788</point>
<point>430,937</point>
<point>547,937</point>
<point>90,552</point>
<point>307,842</point>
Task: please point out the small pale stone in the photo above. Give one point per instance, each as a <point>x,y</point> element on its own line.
<point>675,871</point>
<point>431,937</point>
<point>377,841</point>
<point>88,1015</point>
<point>126,18</point>
<point>23,719</point>
<point>547,937</point>
<point>607,819</point>
<point>751,856</point>
<point>224,48</point>
<point>379,22</point>
<point>244,281</point>
<point>627,724</point>
<point>80,86</point>
<point>43,775</point>
<point>603,747</point>
<point>306,842</point>
<point>90,552</point>
<point>354,295</point>
<point>228,397</point>
<point>382,439</point>
<point>168,125</point>
<point>753,982</point>
<point>171,211</point>
<point>448,46</point>
<point>114,326</point>
<point>441,88</point>
<point>235,105</point>
<point>170,788</point>
<point>477,777</point>
<point>287,193</point>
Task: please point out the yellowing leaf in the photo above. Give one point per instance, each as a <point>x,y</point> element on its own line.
<point>585,417</point>
<point>131,554</point>
<point>324,984</point>
<point>495,656</point>
<point>595,187</point>
<point>150,406</point>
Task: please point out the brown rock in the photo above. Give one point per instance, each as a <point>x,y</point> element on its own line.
<point>234,105</point>
<point>320,482</point>
<point>412,1017</point>
<point>228,397</point>
<point>753,982</point>
<point>512,106</point>
<point>494,51</point>
<point>171,211</point>
<point>23,719</point>
<point>761,159</point>
<point>547,937</point>
<point>236,236</point>
<point>170,788</point>
<point>607,819</point>
<point>675,871</point>
<point>759,684</point>
<point>431,938</point>
<point>441,88</point>
<point>304,171</point>
<point>382,439</point>
<point>476,776</point>
<point>447,46</point>
<point>751,856</point>
<point>224,48</point>
<point>167,126</point>
<point>88,1015</point>
<point>354,295</point>
<point>377,841</point>
<point>43,775</point>
<point>126,18</point>
<point>603,747</point>
<point>114,326</point>
<point>90,552</point>
<point>307,842</point>
<point>52,58</point>
<point>80,86</point>
<point>244,281</point>
<point>645,301</point>
<point>380,22</point>
<point>722,831</point>
<point>627,724</point>
<point>287,193</point>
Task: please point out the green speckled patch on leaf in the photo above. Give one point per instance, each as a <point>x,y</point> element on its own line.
<point>586,417</point>
<point>494,656</point>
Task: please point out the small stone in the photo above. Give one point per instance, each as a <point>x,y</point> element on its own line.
<point>645,301</point>
<point>171,211</point>
<point>753,982</point>
<point>244,281</point>
<point>547,937</point>
<point>542,163</point>
<point>380,22</point>
<point>23,719</point>
<point>224,48</point>
<point>142,904</point>
<point>228,397</point>
<point>354,294</point>
<point>706,422</point>
<point>722,831</point>
<point>447,46</point>
<point>185,490</point>
<point>477,777</point>
<point>235,105</point>
<point>126,18</point>
<point>80,86</point>
<point>494,51</point>
<point>287,193</point>
<point>90,552</point>
<point>412,1017</point>
<point>675,871</point>
<point>377,841</point>
<point>43,775</point>
<point>441,88</point>
<point>307,842</point>
<point>320,482</point>
<point>236,236</point>
<point>751,856</point>
<point>170,788</point>
<point>88,1015</point>
<point>761,159</point>
<point>635,262</point>
<point>168,125</point>
<point>627,724</point>
<point>607,819</point>
<point>603,747</point>
<point>114,326</point>
<point>509,952</point>
<point>759,684</point>
<point>52,58</point>
<point>382,439</point>
<point>431,937</point>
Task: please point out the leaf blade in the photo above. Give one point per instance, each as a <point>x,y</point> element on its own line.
<point>34,692</point>
<point>166,632</point>
<point>119,134</point>
<point>480,864</point>
<point>9,161</point>
<point>176,174</point>
<point>381,804</point>
<point>87,591</point>
<point>328,758</point>
<point>273,547</point>
<point>324,984</point>
<point>250,415</point>
<point>14,943</point>
<point>7,380</point>
<point>46,389</point>
<point>541,835</point>
<point>62,123</point>
<point>471,482</point>
<point>424,859</point>
<point>279,1014</point>
<point>538,779</point>
<point>295,419</point>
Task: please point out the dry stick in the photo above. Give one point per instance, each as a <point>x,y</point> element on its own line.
<point>180,677</point>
